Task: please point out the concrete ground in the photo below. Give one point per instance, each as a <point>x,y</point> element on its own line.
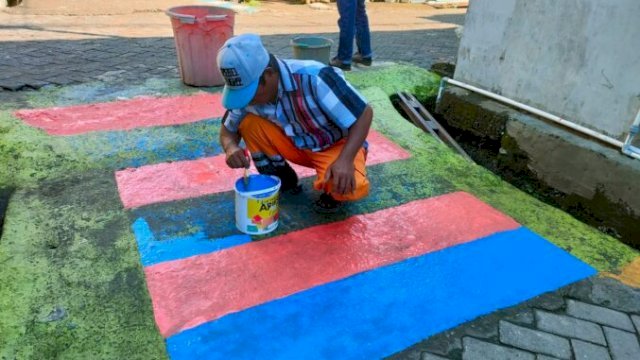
<point>74,281</point>
<point>590,319</point>
<point>76,45</point>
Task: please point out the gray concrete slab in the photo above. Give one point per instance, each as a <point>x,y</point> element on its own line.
<point>533,337</point>
<point>586,351</point>
<point>534,340</point>
<point>624,345</point>
<point>475,349</point>
<point>570,327</point>
<point>599,314</point>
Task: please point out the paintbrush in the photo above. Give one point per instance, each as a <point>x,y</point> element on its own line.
<point>246,169</point>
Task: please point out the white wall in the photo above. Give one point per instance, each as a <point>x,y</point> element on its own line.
<point>579,59</point>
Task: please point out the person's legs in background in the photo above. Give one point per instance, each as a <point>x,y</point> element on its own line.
<point>347,25</point>
<point>363,35</point>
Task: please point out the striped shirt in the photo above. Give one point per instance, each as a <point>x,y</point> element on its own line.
<point>315,106</point>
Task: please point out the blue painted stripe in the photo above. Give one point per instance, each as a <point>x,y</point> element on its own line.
<point>380,312</point>
<point>153,251</point>
<point>214,214</point>
<point>143,146</point>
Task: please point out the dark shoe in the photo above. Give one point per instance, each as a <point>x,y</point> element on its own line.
<point>294,190</point>
<point>326,204</point>
<point>359,59</point>
<point>288,176</point>
<point>339,64</point>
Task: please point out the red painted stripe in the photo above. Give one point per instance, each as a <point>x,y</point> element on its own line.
<point>187,179</point>
<point>195,290</point>
<point>125,114</point>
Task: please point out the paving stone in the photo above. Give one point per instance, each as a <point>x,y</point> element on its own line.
<point>483,328</point>
<point>636,321</point>
<point>580,290</point>
<point>429,356</point>
<point>408,354</point>
<point>534,340</point>
<point>620,298</point>
<point>34,61</point>
<point>623,345</point>
<point>36,84</point>
<point>549,301</point>
<point>444,343</point>
<point>587,351</point>
<point>475,349</point>
<point>12,74</point>
<point>58,80</point>
<point>570,327</point>
<point>12,84</point>
<point>615,295</point>
<point>599,314</point>
<point>522,317</point>
<point>63,58</point>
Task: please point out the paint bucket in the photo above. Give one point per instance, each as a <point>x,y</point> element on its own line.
<point>257,210</point>
<point>312,48</point>
<point>199,32</point>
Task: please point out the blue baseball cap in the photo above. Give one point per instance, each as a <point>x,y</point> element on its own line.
<point>242,60</point>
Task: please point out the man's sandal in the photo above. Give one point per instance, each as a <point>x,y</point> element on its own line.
<point>326,204</point>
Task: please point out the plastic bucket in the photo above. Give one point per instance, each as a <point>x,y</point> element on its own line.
<point>199,32</point>
<point>257,210</point>
<point>312,48</point>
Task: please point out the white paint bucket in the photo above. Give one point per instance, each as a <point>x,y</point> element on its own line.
<point>257,210</point>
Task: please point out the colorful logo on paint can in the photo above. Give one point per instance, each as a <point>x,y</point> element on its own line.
<point>263,212</point>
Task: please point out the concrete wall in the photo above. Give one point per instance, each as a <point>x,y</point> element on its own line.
<point>591,181</point>
<point>578,59</point>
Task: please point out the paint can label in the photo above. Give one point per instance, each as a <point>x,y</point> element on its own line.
<point>263,212</point>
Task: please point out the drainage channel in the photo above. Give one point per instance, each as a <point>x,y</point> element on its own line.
<point>610,218</point>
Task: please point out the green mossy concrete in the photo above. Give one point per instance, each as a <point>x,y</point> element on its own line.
<point>29,155</point>
<point>421,83</point>
<point>71,283</point>
<point>590,245</point>
<point>490,121</point>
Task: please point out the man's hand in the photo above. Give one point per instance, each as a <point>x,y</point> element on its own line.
<point>342,174</point>
<point>236,157</point>
<point>342,171</point>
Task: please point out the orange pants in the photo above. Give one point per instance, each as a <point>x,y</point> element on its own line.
<point>263,136</point>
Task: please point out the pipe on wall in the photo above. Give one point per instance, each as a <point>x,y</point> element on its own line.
<point>581,129</point>
<point>627,148</point>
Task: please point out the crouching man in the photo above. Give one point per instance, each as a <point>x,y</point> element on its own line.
<point>294,111</point>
